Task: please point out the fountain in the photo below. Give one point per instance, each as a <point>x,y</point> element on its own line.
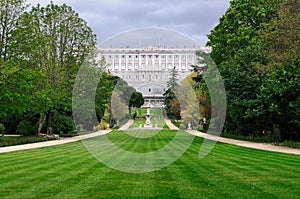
<point>148,117</point>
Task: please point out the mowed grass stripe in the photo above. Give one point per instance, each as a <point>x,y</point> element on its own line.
<point>212,178</point>
<point>263,163</point>
<point>76,175</point>
<point>44,169</point>
<point>126,141</point>
<point>245,174</point>
<point>264,155</point>
<point>69,171</point>
<point>34,154</point>
<point>38,157</point>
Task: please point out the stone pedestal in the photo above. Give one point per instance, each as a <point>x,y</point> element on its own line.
<point>148,117</point>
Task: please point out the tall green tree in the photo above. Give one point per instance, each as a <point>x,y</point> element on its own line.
<point>55,41</point>
<point>10,13</point>
<point>12,99</point>
<point>172,82</point>
<point>136,100</point>
<point>239,52</point>
<point>280,92</point>
<point>171,102</point>
<point>237,28</point>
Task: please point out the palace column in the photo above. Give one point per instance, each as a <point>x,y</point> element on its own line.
<point>173,61</point>
<point>126,62</point>
<point>147,61</point>
<point>153,62</point>
<point>120,63</point>
<point>179,62</point>
<point>186,62</point>
<point>166,56</point>
<point>159,62</point>
<point>140,60</point>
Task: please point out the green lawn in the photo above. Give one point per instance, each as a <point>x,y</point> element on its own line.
<point>160,123</point>
<point>155,112</point>
<point>69,171</point>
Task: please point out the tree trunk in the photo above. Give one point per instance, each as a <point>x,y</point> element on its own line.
<point>41,123</point>
<point>49,120</point>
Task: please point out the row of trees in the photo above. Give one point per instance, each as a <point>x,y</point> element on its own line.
<point>41,51</point>
<point>256,48</point>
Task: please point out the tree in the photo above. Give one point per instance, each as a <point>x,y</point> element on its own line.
<point>239,53</point>
<point>10,12</point>
<point>136,100</point>
<point>279,92</point>
<point>172,83</point>
<point>11,98</point>
<point>55,42</point>
<point>282,34</point>
<point>172,104</point>
<point>119,109</point>
<point>237,29</point>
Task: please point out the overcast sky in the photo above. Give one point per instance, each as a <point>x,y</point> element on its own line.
<point>194,18</point>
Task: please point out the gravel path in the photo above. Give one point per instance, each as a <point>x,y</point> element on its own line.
<point>171,125</point>
<point>127,125</point>
<point>261,146</point>
<point>61,141</point>
<point>51,143</point>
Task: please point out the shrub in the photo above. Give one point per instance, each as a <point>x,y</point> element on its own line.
<point>2,129</point>
<point>103,125</point>
<point>62,124</point>
<point>176,122</point>
<point>11,122</point>
<point>134,115</point>
<point>11,141</point>
<point>69,135</point>
<point>26,128</point>
<point>115,127</point>
<point>292,144</point>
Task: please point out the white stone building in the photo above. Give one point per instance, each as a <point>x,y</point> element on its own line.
<point>148,69</point>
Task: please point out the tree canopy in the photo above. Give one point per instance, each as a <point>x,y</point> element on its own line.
<point>255,47</point>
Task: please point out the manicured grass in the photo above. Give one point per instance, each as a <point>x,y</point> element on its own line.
<point>155,112</point>
<point>69,171</point>
<point>160,123</point>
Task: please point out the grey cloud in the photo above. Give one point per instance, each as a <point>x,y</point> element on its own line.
<point>109,17</point>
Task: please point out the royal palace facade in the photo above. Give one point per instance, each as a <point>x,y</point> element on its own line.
<point>148,69</point>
